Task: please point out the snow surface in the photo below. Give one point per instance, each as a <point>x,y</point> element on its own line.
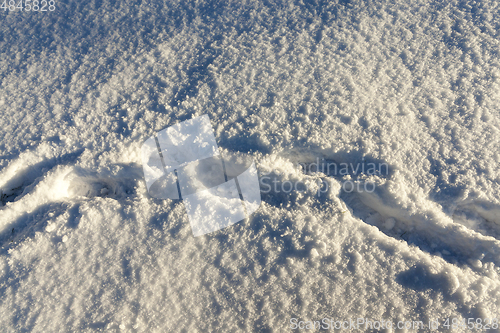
<point>413,84</point>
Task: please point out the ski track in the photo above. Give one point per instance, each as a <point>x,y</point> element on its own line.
<point>468,236</point>
<point>29,215</point>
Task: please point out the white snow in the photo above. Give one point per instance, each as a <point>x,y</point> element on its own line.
<point>414,85</point>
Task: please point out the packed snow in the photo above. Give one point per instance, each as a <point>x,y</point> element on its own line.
<point>375,131</point>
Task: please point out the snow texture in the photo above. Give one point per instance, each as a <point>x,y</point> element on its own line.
<point>410,85</point>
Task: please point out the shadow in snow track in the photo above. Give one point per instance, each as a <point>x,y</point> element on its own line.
<point>25,180</point>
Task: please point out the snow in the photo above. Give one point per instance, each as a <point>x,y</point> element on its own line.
<point>411,85</point>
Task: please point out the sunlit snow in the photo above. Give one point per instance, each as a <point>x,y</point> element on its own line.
<point>400,98</point>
